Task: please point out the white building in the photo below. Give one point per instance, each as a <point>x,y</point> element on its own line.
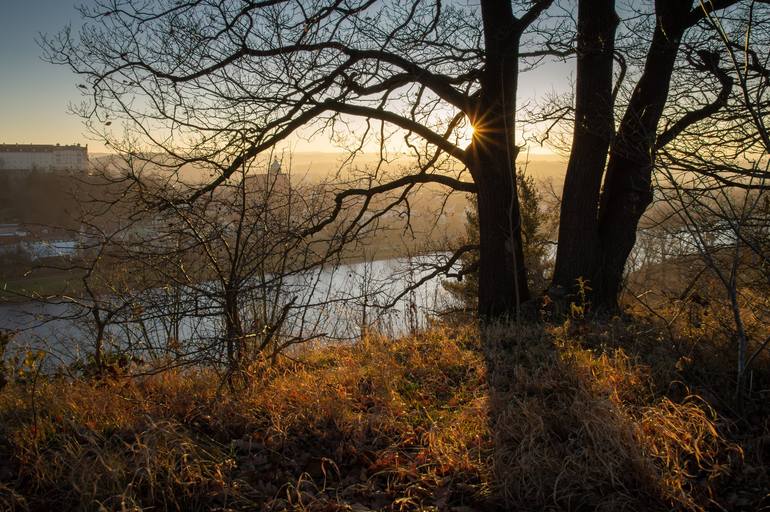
<point>38,249</point>
<point>43,157</point>
<point>14,239</point>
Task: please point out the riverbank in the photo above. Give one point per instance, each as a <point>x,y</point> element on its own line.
<point>20,285</point>
<point>40,282</point>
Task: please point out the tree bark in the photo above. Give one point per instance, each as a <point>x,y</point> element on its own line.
<point>628,183</point>
<point>578,247</point>
<point>492,156</point>
<point>502,275</point>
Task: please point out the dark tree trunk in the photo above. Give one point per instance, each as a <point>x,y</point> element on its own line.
<point>101,331</point>
<point>233,329</point>
<point>628,184</point>
<point>502,275</point>
<point>578,247</point>
<point>492,155</point>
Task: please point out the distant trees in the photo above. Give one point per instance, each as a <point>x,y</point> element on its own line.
<point>38,198</point>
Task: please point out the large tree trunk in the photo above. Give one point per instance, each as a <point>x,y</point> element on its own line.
<point>578,247</point>
<point>628,184</point>
<point>502,275</point>
<point>492,153</point>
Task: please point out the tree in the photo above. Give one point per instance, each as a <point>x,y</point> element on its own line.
<point>598,228</point>
<point>194,80</point>
<point>228,255</point>
<point>535,225</point>
<point>223,281</point>
<point>190,79</point>
<point>578,248</point>
<point>716,184</point>
<point>727,228</point>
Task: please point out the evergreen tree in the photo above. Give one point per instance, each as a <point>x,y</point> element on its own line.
<point>535,224</point>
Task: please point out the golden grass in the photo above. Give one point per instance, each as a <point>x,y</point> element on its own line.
<point>398,424</point>
<point>581,430</point>
<point>537,421</point>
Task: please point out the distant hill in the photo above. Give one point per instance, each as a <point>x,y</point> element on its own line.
<point>318,166</point>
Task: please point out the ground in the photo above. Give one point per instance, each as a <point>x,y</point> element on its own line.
<point>548,417</point>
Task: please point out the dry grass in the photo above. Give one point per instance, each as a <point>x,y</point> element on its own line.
<point>582,430</point>
<point>685,331</point>
<point>397,425</point>
<point>407,424</point>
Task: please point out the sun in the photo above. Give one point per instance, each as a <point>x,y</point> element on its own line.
<point>466,132</point>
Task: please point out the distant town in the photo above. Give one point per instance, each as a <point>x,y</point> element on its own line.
<point>42,232</point>
<point>24,238</point>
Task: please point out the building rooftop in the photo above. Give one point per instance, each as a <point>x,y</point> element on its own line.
<point>40,148</point>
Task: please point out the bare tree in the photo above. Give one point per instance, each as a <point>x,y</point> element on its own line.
<point>723,225</point>
<point>229,278</point>
<point>716,179</point>
<point>663,97</point>
<point>192,80</point>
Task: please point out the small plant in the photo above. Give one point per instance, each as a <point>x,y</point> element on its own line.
<point>112,364</point>
<point>580,307</point>
<point>20,367</point>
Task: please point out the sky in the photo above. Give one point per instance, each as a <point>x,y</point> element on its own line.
<point>35,95</point>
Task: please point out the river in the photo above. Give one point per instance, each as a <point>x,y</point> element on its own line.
<point>329,304</point>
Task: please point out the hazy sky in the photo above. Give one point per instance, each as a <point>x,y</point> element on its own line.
<point>34,95</point>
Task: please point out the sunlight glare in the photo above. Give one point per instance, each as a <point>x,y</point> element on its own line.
<point>466,133</point>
